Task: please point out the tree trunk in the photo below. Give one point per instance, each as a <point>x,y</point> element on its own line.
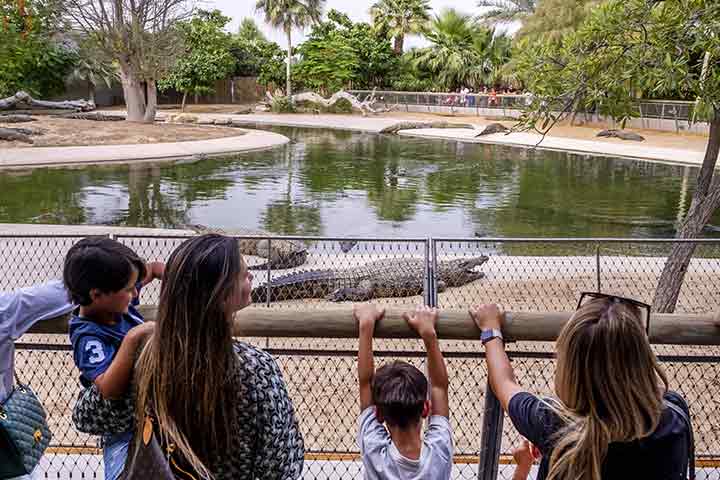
<point>134,95</point>
<point>706,200</point>
<point>91,91</point>
<point>182,107</point>
<point>399,42</point>
<point>151,105</point>
<point>288,87</point>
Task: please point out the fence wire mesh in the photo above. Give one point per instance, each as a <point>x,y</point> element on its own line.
<point>321,372</point>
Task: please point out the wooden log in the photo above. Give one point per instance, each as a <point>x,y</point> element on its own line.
<point>337,322</point>
<point>24,98</point>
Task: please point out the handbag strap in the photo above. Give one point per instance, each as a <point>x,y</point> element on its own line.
<point>691,437</point>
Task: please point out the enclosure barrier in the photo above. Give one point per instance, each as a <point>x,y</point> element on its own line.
<point>537,280</point>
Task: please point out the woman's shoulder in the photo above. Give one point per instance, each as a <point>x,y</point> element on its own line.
<point>254,358</point>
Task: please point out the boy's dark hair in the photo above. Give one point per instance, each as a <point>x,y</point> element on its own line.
<point>101,263</point>
<point>399,392</point>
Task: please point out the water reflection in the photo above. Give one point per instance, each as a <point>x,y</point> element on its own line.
<point>341,183</point>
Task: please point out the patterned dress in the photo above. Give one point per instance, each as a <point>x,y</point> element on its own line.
<point>267,444</point>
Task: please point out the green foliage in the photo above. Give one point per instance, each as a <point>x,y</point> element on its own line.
<point>282,105</point>
<point>625,49</point>
<point>502,11</point>
<point>92,66</point>
<point>259,58</point>
<point>341,106</point>
<point>207,57</point>
<point>30,59</point>
<point>340,53</point>
<point>554,18</point>
<point>462,52</point>
<point>249,31</point>
<point>397,18</point>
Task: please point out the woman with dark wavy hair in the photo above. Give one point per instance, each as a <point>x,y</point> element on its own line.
<point>222,404</point>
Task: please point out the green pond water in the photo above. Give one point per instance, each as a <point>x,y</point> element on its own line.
<point>351,184</point>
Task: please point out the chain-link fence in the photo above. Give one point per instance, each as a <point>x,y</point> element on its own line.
<point>510,104</point>
<point>520,274</point>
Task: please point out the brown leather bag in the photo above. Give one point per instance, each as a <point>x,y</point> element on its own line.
<point>149,460</point>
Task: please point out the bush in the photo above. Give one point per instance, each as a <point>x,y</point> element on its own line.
<point>341,106</point>
<point>282,105</point>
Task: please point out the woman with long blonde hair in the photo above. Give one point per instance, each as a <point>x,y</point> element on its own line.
<point>221,406</point>
<point>614,417</point>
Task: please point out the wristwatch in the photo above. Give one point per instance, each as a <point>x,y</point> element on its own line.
<point>487,335</point>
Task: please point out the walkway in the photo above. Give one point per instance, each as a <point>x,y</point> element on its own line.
<point>32,157</point>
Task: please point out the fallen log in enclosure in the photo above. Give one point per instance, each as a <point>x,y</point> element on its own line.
<point>337,322</point>
<point>24,99</point>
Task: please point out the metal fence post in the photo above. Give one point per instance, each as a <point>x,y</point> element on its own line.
<point>490,437</point>
<point>597,266</point>
<point>432,273</point>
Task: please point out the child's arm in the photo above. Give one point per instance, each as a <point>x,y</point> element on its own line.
<point>366,315</point>
<point>524,456</point>
<point>423,321</point>
<point>115,381</point>
<point>154,270</point>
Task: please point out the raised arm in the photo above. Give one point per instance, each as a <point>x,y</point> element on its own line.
<point>366,315</point>
<point>500,371</point>
<point>154,270</point>
<point>423,321</point>
<point>115,381</point>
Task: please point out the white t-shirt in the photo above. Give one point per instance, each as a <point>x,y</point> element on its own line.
<point>382,460</point>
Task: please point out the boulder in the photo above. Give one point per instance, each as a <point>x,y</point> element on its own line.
<point>622,135</point>
<point>493,128</point>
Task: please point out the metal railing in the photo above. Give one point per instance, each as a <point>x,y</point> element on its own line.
<point>520,274</point>
<point>512,104</point>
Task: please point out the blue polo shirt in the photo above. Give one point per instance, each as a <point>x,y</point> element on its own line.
<point>95,345</point>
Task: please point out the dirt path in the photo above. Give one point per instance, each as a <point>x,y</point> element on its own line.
<point>58,132</point>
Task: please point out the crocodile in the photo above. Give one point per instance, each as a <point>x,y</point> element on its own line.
<point>397,277</point>
<point>281,254</point>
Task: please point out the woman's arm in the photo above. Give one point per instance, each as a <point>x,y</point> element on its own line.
<point>500,371</point>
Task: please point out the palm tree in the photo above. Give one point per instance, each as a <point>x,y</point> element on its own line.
<point>92,68</point>
<point>400,17</point>
<point>289,14</point>
<point>503,11</point>
<point>462,52</point>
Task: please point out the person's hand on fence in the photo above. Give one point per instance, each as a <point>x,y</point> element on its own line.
<point>487,316</point>
<point>367,315</point>
<point>423,321</point>
<point>524,455</point>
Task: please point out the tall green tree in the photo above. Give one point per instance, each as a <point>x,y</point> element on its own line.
<point>503,11</point>
<point>340,53</point>
<point>397,18</point>
<point>552,19</point>
<point>207,56</point>
<point>289,14</point>
<point>249,31</point>
<point>32,55</point>
<point>462,52</point>
<point>631,46</point>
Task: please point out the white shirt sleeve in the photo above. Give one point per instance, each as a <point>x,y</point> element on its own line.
<point>438,436</point>
<point>19,311</point>
<point>371,433</point>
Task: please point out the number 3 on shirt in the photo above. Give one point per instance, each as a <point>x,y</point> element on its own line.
<point>97,354</point>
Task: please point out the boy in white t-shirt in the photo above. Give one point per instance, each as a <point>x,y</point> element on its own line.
<point>396,395</point>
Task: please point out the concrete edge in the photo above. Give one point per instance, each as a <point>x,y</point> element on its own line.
<point>592,153</point>
<point>28,158</point>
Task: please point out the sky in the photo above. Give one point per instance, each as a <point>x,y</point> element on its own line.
<point>358,10</point>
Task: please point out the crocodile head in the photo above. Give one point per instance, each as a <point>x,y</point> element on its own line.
<point>461,271</point>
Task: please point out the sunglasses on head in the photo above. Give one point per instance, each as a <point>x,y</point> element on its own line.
<point>644,307</point>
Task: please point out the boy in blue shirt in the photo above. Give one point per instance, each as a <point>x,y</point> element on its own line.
<point>104,277</point>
